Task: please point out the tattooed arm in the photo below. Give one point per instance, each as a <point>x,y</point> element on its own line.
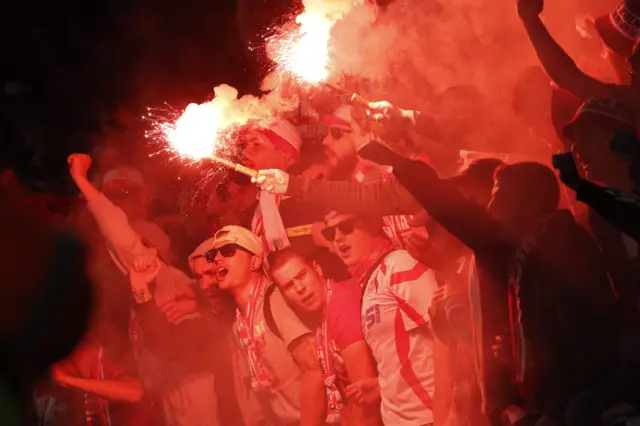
<point>312,394</point>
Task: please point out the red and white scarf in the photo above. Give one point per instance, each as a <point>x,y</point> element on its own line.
<point>325,355</point>
<point>360,272</point>
<point>262,378</point>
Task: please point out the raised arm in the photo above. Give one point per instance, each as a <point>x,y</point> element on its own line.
<point>463,218</point>
<point>555,61</point>
<point>123,240</point>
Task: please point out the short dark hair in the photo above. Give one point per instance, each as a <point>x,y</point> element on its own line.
<point>478,177</point>
<point>277,258</point>
<point>537,180</point>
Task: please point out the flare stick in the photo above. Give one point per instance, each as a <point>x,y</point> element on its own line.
<point>235,166</point>
<point>354,98</point>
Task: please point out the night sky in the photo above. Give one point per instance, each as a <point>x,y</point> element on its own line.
<point>78,74</point>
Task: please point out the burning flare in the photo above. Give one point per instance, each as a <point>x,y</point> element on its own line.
<point>304,51</point>
<point>196,133</point>
<point>203,130</point>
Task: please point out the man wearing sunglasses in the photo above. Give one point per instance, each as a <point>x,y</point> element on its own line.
<point>277,347</point>
<point>396,295</point>
<point>333,310</point>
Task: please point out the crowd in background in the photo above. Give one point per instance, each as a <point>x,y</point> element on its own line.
<point>398,272</point>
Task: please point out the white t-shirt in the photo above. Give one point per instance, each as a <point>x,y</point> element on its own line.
<point>394,316</point>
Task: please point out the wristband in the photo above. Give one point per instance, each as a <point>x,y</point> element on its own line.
<point>142,295</point>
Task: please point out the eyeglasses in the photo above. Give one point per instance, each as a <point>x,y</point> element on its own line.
<point>227,250</point>
<point>337,133</point>
<point>346,227</point>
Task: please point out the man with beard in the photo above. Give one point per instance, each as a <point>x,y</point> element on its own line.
<point>281,221</point>
<point>333,310</point>
<point>341,143</point>
<point>539,275</point>
<point>283,369</point>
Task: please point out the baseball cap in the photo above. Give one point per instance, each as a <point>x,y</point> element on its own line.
<point>123,176</point>
<point>606,111</point>
<point>232,234</point>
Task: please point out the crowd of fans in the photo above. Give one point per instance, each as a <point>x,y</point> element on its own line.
<point>365,286</point>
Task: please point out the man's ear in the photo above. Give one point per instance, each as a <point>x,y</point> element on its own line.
<point>256,262</point>
<point>318,269</point>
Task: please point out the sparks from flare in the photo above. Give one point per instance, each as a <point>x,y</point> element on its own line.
<point>302,50</point>
<point>206,130</point>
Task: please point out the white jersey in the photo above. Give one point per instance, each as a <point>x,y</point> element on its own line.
<point>394,316</point>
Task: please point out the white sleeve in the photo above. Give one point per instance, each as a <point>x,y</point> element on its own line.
<point>413,285</point>
<point>123,241</point>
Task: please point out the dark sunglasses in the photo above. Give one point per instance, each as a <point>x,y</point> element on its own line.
<point>337,133</point>
<point>346,227</point>
<point>227,250</point>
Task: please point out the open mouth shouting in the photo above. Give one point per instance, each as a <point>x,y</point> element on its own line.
<point>221,273</point>
<point>344,250</point>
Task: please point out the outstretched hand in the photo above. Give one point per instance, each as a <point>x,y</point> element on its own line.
<point>390,116</point>
<point>272,180</point>
<point>566,166</point>
<point>528,9</point>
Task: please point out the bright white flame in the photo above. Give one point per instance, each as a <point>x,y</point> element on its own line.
<point>202,130</point>
<point>304,52</point>
<point>309,55</point>
<point>196,133</point>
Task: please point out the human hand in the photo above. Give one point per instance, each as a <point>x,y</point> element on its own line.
<point>528,9</point>
<point>365,391</point>
<point>184,304</point>
<point>389,116</point>
<point>79,165</point>
<point>566,166</point>
<point>272,180</point>
<point>145,269</point>
<point>418,245</point>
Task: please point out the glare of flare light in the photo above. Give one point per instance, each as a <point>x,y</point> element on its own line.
<point>308,55</point>
<point>196,133</point>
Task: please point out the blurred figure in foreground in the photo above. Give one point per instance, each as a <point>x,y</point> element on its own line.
<point>48,307</point>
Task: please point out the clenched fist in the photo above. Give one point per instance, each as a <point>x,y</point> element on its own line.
<point>528,9</point>
<point>79,165</point>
